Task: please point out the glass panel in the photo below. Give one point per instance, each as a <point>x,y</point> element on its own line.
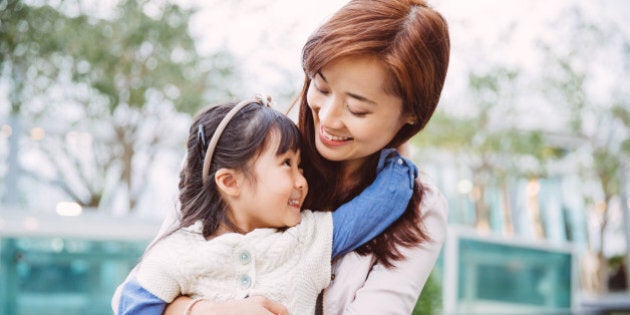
<point>63,276</point>
<point>509,276</point>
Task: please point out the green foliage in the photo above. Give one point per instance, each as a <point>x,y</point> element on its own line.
<point>603,124</point>
<point>488,140</point>
<point>574,65</point>
<point>489,136</point>
<point>430,300</point>
<point>121,74</point>
<point>134,54</point>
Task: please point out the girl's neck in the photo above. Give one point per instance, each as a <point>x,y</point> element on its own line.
<point>222,229</point>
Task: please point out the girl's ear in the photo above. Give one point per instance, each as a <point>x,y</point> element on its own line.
<point>228,181</point>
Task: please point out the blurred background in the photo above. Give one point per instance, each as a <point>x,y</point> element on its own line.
<point>530,143</point>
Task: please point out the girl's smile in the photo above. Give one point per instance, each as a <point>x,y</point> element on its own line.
<point>271,196</point>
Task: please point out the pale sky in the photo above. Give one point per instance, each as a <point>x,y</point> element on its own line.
<point>268,37</point>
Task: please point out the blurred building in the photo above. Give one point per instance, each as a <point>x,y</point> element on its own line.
<point>60,265</point>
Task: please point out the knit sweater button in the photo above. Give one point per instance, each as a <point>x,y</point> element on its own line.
<point>245,257</point>
<point>246,281</point>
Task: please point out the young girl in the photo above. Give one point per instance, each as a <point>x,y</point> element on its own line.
<point>242,232</point>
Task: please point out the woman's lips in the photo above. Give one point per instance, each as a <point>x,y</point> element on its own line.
<point>332,140</point>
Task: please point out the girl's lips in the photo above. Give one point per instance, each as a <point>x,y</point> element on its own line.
<point>331,140</point>
<point>294,203</point>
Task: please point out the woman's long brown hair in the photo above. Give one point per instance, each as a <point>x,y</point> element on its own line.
<point>412,41</point>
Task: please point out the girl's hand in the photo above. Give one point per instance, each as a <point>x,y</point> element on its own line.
<point>255,305</point>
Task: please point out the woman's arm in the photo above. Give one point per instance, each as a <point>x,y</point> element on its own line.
<point>377,206</point>
<point>396,290</point>
<point>255,305</point>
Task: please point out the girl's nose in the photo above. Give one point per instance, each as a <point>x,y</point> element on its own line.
<point>300,181</point>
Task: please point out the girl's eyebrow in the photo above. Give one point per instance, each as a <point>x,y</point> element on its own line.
<point>353,95</point>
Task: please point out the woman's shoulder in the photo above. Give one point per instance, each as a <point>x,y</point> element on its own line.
<point>432,197</point>
<point>433,211</point>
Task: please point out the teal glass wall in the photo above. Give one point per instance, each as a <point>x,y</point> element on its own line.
<point>510,277</point>
<point>60,276</point>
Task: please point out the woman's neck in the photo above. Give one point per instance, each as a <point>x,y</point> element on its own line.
<point>351,173</point>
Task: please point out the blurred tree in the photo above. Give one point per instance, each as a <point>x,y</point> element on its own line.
<point>23,40</point>
<point>489,140</point>
<point>123,78</point>
<point>586,76</point>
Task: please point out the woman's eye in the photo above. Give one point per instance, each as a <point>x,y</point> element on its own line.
<point>356,112</point>
<point>287,162</point>
<point>320,90</point>
<point>319,87</point>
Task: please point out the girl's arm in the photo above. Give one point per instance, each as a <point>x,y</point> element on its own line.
<point>396,290</point>
<point>377,206</point>
<point>135,300</point>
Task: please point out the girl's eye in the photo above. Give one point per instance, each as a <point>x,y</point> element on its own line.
<point>287,162</point>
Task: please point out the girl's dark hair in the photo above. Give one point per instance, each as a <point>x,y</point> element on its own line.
<point>412,42</point>
<point>245,137</point>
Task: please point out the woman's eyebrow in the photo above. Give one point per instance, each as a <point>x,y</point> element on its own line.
<point>353,95</point>
<point>361,98</point>
<point>322,75</point>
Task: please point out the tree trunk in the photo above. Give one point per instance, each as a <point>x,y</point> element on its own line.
<point>602,273</point>
<point>625,207</point>
<point>127,172</point>
<point>11,180</point>
<point>482,222</point>
<point>602,267</point>
<point>11,189</point>
<point>533,207</point>
<point>508,223</point>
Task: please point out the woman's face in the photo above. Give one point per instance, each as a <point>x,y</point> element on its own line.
<point>354,116</point>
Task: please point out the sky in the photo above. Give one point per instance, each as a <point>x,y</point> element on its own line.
<point>268,37</point>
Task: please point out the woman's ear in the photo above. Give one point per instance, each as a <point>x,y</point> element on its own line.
<point>228,181</point>
<point>411,119</point>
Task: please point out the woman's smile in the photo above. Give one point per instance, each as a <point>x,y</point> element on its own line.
<point>332,140</point>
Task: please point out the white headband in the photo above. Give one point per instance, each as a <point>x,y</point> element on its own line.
<point>260,99</point>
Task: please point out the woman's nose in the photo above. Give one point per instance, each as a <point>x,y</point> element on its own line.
<point>329,114</point>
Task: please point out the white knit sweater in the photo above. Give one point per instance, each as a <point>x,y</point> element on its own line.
<point>290,266</point>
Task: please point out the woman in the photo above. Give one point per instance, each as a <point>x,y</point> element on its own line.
<point>374,74</point>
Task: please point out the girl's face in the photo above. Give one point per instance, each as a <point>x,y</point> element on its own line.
<point>354,116</point>
<point>274,196</point>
